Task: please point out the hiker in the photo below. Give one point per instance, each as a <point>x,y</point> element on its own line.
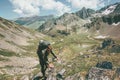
<point>43,51</point>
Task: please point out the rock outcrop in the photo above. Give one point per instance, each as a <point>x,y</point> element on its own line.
<point>100,74</point>
<point>85,13</point>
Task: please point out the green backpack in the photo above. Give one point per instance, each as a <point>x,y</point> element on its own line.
<point>43,44</point>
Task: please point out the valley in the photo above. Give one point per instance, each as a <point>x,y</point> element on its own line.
<point>82,41</point>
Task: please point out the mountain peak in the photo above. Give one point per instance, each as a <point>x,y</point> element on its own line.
<point>85,13</point>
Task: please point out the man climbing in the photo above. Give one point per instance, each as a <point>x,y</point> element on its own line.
<point>43,51</point>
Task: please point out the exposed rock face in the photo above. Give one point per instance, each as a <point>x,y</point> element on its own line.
<point>107,42</point>
<point>115,48</point>
<point>100,74</point>
<point>111,18</point>
<point>117,10</point>
<point>105,65</point>
<point>111,46</point>
<point>85,13</point>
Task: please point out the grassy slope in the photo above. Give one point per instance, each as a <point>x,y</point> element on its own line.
<point>69,51</point>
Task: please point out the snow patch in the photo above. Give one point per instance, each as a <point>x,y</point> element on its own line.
<point>86,30</point>
<point>98,31</point>
<point>101,37</point>
<point>109,10</point>
<point>85,46</point>
<point>115,24</point>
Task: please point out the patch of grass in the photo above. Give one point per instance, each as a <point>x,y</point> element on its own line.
<point>3,59</point>
<point>70,49</point>
<point>2,36</point>
<point>37,66</point>
<point>6,77</point>
<point>79,64</point>
<point>32,48</point>
<point>7,53</point>
<point>2,26</point>
<point>8,66</point>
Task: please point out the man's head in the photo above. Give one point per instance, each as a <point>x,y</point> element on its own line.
<point>44,43</point>
<point>41,41</point>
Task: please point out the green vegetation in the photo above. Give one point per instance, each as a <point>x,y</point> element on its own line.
<point>6,77</point>
<point>7,53</point>
<point>2,35</point>
<point>3,59</point>
<point>69,51</point>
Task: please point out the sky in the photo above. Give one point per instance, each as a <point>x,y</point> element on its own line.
<point>11,9</point>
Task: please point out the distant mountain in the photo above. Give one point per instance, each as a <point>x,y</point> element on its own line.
<point>85,13</point>
<point>68,22</point>
<point>33,22</point>
<point>117,9</point>
<point>108,23</point>
<point>110,9</point>
<point>63,25</point>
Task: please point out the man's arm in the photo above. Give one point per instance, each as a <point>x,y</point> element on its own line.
<point>50,48</point>
<point>53,54</point>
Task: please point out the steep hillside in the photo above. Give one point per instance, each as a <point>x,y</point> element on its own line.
<point>33,22</point>
<point>99,27</point>
<point>107,22</point>
<point>93,54</point>
<point>12,36</point>
<point>17,49</point>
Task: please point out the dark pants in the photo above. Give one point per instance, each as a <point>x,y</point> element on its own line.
<point>43,62</point>
<point>44,65</point>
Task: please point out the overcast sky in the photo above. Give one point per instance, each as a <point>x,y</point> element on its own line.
<point>11,9</point>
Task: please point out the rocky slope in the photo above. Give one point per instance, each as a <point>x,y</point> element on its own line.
<point>81,64</point>
<point>107,23</point>
<point>99,20</point>
<point>12,36</point>
<point>16,54</point>
<point>64,24</point>
<point>78,53</point>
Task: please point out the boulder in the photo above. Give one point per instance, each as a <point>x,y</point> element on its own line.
<point>100,74</point>
<point>104,65</point>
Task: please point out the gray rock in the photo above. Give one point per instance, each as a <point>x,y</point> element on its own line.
<point>100,74</point>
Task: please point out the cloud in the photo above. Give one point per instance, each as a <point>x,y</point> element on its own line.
<point>93,4</point>
<point>33,7</point>
<point>58,6</point>
<point>26,7</point>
